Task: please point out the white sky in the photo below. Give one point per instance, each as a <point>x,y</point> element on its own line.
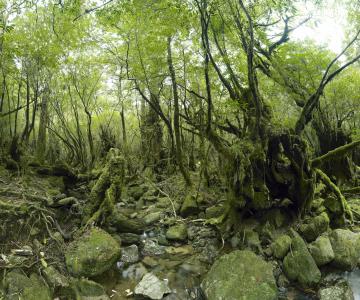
<point>326,27</point>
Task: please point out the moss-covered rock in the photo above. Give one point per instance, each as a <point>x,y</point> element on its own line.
<point>346,246</point>
<point>299,264</point>
<point>315,227</point>
<point>122,223</point>
<point>88,290</point>
<point>240,275</point>
<point>280,247</point>
<point>189,206</point>
<point>341,290</point>
<point>177,233</point>
<point>92,254</point>
<point>321,250</point>
<point>20,287</point>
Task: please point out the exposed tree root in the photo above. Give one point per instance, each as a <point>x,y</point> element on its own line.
<point>333,187</point>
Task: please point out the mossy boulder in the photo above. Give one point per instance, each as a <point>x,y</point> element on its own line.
<point>122,223</point>
<point>299,265</point>
<point>346,246</point>
<point>321,250</point>
<point>280,247</point>
<point>177,232</point>
<point>88,290</point>
<point>189,206</point>
<point>20,287</point>
<point>315,227</point>
<point>240,275</point>
<point>92,254</point>
<point>341,290</point>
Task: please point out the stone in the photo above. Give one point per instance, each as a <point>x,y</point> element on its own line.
<point>240,275</point>
<point>153,217</point>
<point>315,227</point>
<point>20,287</point>
<point>189,207</point>
<point>152,248</point>
<point>299,265</point>
<point>55,279</point>
<point>177,232</point>
<point>122,223</point>
<point>152,287</point>
<point>341,290</point>
<point>134,272</point>
<point>251,240</point>
<point>321,250</point>
<point>89,290</point>
<point>93,253</point>
<point>346,247</point>
<point>129,238</point>
<point>280,247</point>
<point>214,212</point>
<point>130,254</point>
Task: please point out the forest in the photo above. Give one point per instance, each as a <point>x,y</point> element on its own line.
<point>179,149</point>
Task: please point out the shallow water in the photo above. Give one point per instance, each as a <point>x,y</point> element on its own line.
<point>354,280</point>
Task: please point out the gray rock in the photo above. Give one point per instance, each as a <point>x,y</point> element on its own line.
<point>93,253</point>
<point>130,254</point>
<point>134,272</point>
<point>280,247</point>
<point>346,246</point>
<point>299,265</point>
<point>240,275</point>
<point>341,290</point>
<point>152,248</point>
<point>152,287</point>
<point>153,217</point>
<point>177,232</point>
<point>321,250</point>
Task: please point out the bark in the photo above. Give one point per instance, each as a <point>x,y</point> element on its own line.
<point>42,132</point>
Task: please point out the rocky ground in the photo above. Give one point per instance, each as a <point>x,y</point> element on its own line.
<point>159,243</point>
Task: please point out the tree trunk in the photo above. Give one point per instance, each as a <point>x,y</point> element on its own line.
<point>41,141</point>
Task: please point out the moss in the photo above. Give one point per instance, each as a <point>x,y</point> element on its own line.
<point>177,232</point>
<point>315,227</point>
<point>280,247</point>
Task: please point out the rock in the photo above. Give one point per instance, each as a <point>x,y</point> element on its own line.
<point>123,224</point>
<point>276,217</point>
<point>321,250</point>
<point>346,247</point>
<point>54,279</point>
<point>177,232</point>
<point>189,206</point>
<point>130,254</point>
<point>251,240</point>
<point>299,264</point>
<point>137,191</point>
<point>315,227</point>
<point>129,238</point>
<point>89,290</point>
<point>341,290</point>
<point>280,247</point>
<point>214,212</point>
<point>240,275</point>
<point>134,272</point>
<point>93,253</point>
<point>20,287</point>
<point>152,287</point>
<point>152,248</point>
<point>153,217</point>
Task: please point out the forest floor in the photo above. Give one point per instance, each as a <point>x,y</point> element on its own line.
<point>44,255</point>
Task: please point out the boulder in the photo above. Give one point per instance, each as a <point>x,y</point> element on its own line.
<point>56,280</point>
<point>280,247</point>
<point>122,223</point>
<point>152,287</point>
<point>341,290</point>
<point>177,232</point>
<point>130,255</point>
<point>20,287</point>
<point>189,206</point>
<point>299,265</point>
<point>240,275</point>
<point>93,253</point>
<point>346,246</point>
<point>321,250</point>
<point>88,290</point>
<point>315,227</point>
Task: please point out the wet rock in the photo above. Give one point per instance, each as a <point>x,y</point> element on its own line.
<point>299,264</point>
<point>122,223</point>
<point>189,206</point>
<point>177,232</point>
<point>20,287</point>
<point>55,279</point>
<point>129,238</point>
<point>249,239</point>
<point>130,254</point>
<point>89,290</point>
<point>92,254</point>
<point>152,248</point>
<point>315,227</point>
<point>240,275</point>
<point>134,272</point>
<point>346,246</point>
<point>321,250</point>
<point>150,261</point>
<point>152,287</point>
<point>340,290</point>
<point>280,247</point>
